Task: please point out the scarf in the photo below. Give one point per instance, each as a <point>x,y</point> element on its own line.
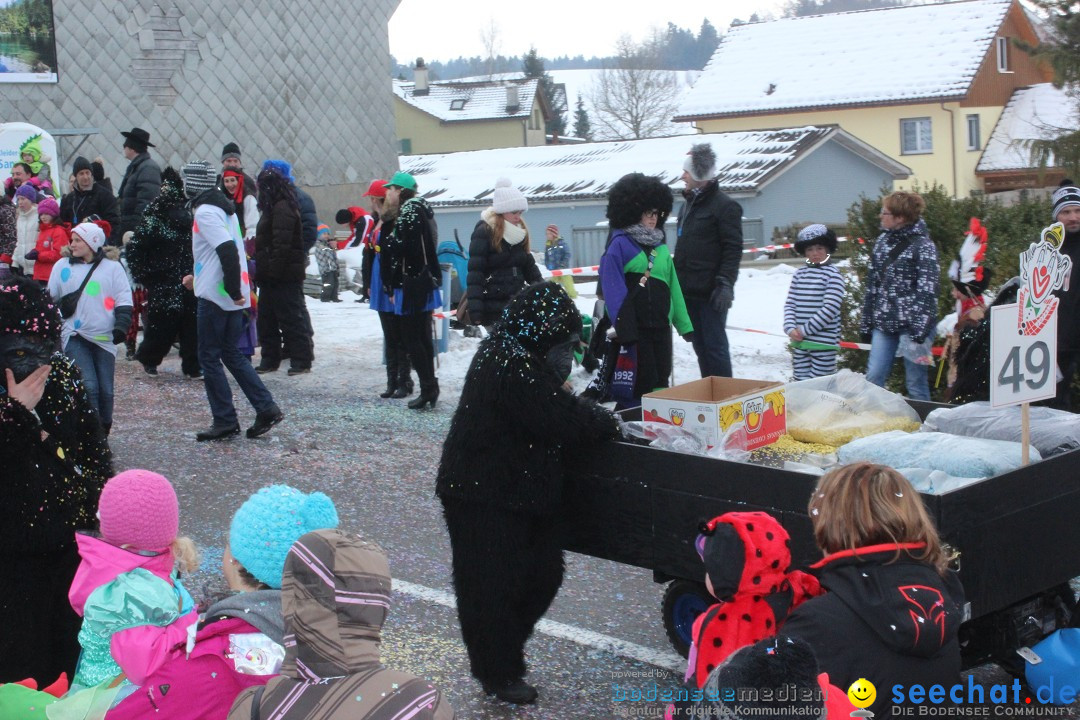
<point>238,196</point>
<point>645,237</point>
<point>512,234</point>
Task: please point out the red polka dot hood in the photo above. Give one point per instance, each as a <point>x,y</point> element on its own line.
<point>747,561</point>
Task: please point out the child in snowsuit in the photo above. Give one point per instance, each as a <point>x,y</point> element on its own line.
<point>557,257</point>
<point>240,640</point>
<point>746,559</point>
<point>812,310</point>
<point>52,237</point>
<point>970,280</point>
<point>326,258</point>
<point>134,608</point>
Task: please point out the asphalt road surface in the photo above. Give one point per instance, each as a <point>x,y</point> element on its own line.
<point>602,638</point>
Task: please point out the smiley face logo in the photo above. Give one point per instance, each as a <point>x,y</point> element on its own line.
<point>862,693</point>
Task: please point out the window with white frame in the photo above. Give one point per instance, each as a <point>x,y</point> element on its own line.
<point>1003,55</point>
<point>915,136</point>
<point>974,136</point>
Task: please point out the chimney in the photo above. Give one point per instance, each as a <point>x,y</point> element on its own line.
<point>512,102</point>
<point>420,78</point>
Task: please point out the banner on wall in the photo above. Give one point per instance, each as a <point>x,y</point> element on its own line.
<point>27,42</point>
<point>23,142</point>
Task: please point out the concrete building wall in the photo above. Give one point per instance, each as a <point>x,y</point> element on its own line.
<point>307,82</point>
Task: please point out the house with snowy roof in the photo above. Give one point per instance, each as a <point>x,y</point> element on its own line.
<point>1039,112</point>
<point>776,175</point>
<point>925,84</point>
<point>450,116</point>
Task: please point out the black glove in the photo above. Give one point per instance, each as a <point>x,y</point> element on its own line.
<point>118,337</point>
<point>688,337</point>
<point>918,340</point>
<point>32,255</point>
<point>866,337</point>
<point>722,297</point>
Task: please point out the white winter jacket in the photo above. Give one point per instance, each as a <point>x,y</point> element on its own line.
<point>26,234</point>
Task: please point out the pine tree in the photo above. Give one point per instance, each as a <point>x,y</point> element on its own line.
<point>582,126</point>
<point>533,67</point>
<point>1062,53</point>
<point>707,42</point>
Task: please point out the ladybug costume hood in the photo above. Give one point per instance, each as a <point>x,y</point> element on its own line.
<point>747,561</point>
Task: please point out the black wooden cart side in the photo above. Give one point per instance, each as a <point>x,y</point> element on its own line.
<point>1018,533</point>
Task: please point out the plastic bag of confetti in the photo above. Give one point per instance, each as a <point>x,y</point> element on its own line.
<point>836,409</point>
<point>956,455</point>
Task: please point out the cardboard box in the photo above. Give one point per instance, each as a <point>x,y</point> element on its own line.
<point>710,407</point>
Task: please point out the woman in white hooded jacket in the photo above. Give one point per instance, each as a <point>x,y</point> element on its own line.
<point>26,228</point>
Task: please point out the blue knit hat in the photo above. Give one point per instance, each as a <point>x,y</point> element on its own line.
<point>270,521</point>
<point>281,167</point>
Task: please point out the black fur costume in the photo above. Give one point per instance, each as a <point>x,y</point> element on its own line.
<point>51,488</point>
<point>501,477</point>
<point>159,256</point>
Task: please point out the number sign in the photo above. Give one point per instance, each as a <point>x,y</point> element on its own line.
<point>1022,367</point>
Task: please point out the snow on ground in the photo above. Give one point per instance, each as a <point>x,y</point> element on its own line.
<point>350,330</point>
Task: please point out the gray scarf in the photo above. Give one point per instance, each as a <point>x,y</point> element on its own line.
<point>645,237</point>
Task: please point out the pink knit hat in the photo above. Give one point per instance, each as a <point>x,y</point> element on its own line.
<point>139,508</point>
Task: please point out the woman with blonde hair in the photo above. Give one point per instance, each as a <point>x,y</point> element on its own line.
<point>893,605</point>
<point>500,263</point>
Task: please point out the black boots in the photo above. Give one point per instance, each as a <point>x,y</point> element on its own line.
<point>329,287</point>
<point>517,692</point>
<point>391,382</point>
<point>429,393</point>
<point>404,387</point>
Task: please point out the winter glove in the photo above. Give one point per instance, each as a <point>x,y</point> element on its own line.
<point>918,339</point>
<point>722,297</point>
<point>118,337</point>
<point>32,255</point>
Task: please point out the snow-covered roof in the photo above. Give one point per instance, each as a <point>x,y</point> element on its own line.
<point>868,57</point>
<point>1039,112</point>
<point>746,161</point>
<point>456,101</point>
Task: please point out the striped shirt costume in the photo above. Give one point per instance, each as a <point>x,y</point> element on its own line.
<point>813,308</point>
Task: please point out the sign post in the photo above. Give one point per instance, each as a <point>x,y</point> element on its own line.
<point>1023,335</point>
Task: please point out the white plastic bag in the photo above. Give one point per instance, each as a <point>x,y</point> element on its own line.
<point>836,409</point>
<point>1052,431</point>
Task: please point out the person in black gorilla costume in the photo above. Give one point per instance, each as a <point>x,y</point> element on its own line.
<point>501,476</point>
<point>159,256</point>
<point>55,460</point>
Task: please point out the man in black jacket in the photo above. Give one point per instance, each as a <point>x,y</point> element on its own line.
<point>1067,212</point>
<point>90,198</point>
<point>707,256</point>
<point>142,180</point>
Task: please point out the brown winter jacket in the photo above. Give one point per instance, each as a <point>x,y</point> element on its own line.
<point>335,596</point>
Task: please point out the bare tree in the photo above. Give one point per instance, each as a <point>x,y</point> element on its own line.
<point>491,41</point>
<point>635,99</point>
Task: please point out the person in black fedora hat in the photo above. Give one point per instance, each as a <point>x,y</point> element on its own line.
<point>142,180</point>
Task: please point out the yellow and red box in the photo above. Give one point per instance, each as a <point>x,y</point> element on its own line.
<point>713,407</point>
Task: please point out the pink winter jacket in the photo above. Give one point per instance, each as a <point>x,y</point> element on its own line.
<point>138,650</point>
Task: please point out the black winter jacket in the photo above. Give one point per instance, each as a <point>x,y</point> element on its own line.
<point>309,220</point>
<point>891,622</point>
<point>515,422</point>
<point>279,250</point>
<point>1069,309</point>
<point>406,241</point>
<point>495,276</point>
<point>902,296</point>
<point>78,205</point>
<point>710,241</point>
<point>159,253</point>
<point>141,184</point>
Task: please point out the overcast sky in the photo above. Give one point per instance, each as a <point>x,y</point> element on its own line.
<point>445,29</point>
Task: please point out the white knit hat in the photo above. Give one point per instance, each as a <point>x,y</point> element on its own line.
<point>508,198</point>
<point>91,234</point>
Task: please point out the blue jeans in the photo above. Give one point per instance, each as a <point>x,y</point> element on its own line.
<point>98,366</point>
<point>219,330</point>
<point>710,337</point>
<point>882,354</point>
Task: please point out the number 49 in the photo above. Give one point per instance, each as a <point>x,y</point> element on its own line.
<point>1011,373</point>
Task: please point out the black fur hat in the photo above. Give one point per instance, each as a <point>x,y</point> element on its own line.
<point>816,234</point>
<point>635,194</point>
<point>774,663</point>
<point>26,309</point>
